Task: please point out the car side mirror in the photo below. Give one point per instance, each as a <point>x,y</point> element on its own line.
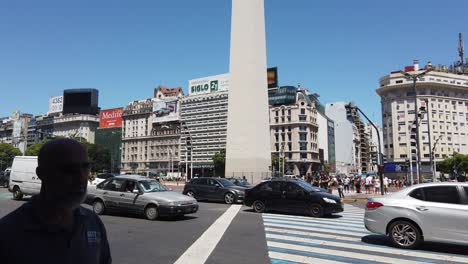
<point>217,185</point>
<point>136,191</point>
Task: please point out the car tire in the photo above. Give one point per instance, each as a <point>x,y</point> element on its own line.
<point>316,210</point>
<point>259,206</point>
<point>229,198</point>
<point>405,234</point>
<point>17,194</point>
<point>151,212</point>
<point>99,207</point>
<point>191,194</point>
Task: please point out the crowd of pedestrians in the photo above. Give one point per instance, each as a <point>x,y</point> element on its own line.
<point>345,184</point>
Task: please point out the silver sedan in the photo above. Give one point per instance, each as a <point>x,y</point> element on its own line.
<point>435,212</point>
<point>138,194</point>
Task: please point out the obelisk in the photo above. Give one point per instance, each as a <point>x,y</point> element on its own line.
<point>248,150</point>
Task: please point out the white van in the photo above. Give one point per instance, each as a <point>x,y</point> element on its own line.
<point>23,178</point>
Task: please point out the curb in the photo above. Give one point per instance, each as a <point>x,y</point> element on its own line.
<point>353,200</point>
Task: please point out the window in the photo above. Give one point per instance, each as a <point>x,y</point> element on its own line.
<point>289,137</point>
<point>303,155</point>
<point>303,146</point>
<point>303,137</point>
<point>273,186</point>
<point>466,190</point>
<point>417,194</point>
<point>114,185</point>
<point>302,111</point>
<point>282,111</point>
<point>289,128</point>
<point>441,194</point>
<point>302,118</point>
<point>289,111</point>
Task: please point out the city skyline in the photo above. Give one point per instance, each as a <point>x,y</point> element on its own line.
<point>126,51</point>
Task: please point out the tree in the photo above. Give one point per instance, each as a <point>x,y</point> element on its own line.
<point>456,166</point>
<point>33,150</point>
<point>99,157</point>
<point>7,154</point>
<point>219,160</point>
<point>277,162</point>
<point>327,168</point>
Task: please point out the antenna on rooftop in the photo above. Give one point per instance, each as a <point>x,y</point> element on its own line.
<point>460,48</point>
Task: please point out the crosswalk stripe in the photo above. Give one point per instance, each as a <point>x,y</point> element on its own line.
<point>328,226</point>
<point>398,252</point>
<point>301,259</point>
<point>342,254</point>
<point>313,220</point>
<point>340,220</point>
<point>354,234</point>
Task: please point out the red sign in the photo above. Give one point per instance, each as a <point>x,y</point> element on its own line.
<point>409,68</point>
<point>110,118</point>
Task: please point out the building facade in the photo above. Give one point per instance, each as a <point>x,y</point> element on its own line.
<point>204,119</point>
<point>149,147</point>
<point>294,130</point>
<point>442,99</point>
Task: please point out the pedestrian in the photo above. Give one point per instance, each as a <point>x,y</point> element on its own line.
<point>357,184</point>
<point>368,184</point>
<point>52,227</point>
<point>385,183</point>
<point>340,188</point>
<point>346,184</point>
<point>377,185</point>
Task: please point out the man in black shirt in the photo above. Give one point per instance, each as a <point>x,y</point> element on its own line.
<point>52,227</point>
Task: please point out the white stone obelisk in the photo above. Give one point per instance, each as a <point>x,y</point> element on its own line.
<point>248,150</point>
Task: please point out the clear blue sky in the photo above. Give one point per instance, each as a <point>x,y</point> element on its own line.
<point>338,49</point>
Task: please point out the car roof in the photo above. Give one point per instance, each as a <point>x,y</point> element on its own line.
<point>133,177</point>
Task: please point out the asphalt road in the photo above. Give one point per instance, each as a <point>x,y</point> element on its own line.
<point>258,238</point>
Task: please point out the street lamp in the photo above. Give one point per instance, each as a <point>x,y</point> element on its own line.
<point>415,78</point>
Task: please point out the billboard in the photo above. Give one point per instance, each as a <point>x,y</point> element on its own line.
<point>165,111</point>
<point>80,101</point>
<point>110,118</point>
<point>55,104</point>
<point>209,84</point>
<point>272,75</point>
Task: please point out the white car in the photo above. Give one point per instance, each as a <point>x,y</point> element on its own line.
<point>435,212</point>
<point>23,178</point>
<point>102,177</point>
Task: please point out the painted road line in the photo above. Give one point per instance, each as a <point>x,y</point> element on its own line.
<point>318,221</point>
<point>322,230</point>
<point>299,259</point>
<point>201,249</point>
<point>340,253</point>
<point>338,228</point>
<point>336,220</point>
<point>418,256</point>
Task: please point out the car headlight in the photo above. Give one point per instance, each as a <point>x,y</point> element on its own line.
<point>328,200</point>
<point>173,203</point>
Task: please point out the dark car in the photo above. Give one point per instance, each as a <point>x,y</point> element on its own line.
<point>214,189</point>
<point>240,182</point>
<point>292,196</point>
<point>4,179</point>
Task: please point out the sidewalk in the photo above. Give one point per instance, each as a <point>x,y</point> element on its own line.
<point>352,196</point>
<point>174,185</point>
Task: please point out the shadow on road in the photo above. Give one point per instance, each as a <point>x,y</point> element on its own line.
<point>162,218</point>
<point>431,247</point>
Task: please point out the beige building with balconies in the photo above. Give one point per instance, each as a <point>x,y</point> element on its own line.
<point>294,133</point>
<point>444,126</point>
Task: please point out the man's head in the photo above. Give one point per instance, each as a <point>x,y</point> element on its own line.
<point>63,168</point>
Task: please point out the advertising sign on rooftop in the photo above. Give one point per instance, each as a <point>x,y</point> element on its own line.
<point>55,104</point>
<point>165,111</point>
<point>111,118</point>
<point>209,84</point>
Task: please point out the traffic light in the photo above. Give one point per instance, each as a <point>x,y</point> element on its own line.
<point>375,158</point>
<point>380,169</point>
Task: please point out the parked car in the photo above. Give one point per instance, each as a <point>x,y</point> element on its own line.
<point>23,178</point>
<point>142,195</point>
<point>4,179</point>
<point>292,196</point>
<point>240,182</point>
<point>424,212</point>
<point>214,189</point>
<point>102,177</point>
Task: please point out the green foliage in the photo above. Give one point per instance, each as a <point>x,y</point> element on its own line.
<point>33,150</point>
<point>457,163</point>
<point>219,160</point>
<point>327,167</point>
<point>277,162</point>
<point>99,157</point>
<point>7,154</point>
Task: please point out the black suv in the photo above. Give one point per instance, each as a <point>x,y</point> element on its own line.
<point>214,189</point>
<point>292,196</point>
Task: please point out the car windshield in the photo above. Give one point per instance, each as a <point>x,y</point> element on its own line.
<point>308,187</point>
<point>152,186</point>
<point>226,183</point>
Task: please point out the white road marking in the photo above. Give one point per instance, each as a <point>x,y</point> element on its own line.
<point>201,249</point>
<point>302,259</point>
